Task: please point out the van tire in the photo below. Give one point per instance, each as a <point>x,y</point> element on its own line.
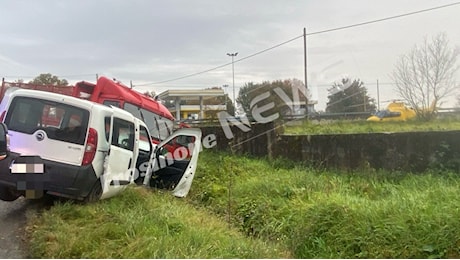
<point>7,194</point>
<point>95,193</point>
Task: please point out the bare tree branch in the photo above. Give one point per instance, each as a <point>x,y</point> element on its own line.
<point>425,76</point>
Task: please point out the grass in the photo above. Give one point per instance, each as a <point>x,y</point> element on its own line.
<point>324,214</point>
<point>241,207</point>
<point>362,126</point>
<point>140,224</point>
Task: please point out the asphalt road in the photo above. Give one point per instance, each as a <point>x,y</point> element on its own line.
<point>13,217</point>
<point>12,224</point>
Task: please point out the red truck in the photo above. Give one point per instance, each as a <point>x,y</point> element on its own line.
<point>110,92</point>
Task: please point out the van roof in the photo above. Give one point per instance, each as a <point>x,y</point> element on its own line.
<point>51,96</point>
<point>66,99</point>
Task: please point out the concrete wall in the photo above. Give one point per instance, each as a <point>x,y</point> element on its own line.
<point>410,151</point>
<point>414,151</point>
<point>257,141</point>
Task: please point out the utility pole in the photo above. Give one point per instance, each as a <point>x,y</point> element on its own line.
<point>305,68</point>
<point>233,55</point>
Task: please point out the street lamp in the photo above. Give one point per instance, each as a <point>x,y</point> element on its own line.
<point>233,55</point>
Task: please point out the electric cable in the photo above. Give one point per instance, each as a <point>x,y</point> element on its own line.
<point>300,36</point>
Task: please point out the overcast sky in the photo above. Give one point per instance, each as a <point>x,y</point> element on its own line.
<point>152,43</point>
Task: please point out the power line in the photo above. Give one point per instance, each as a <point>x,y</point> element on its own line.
<point>221,66</point>
<point>183,77</point>
<point>384,19</point>
<point>300,36</point>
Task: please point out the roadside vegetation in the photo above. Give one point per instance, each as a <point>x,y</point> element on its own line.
<point>242,207</point>
<point>329,214</point>
<point>140,223</point>
<point>362,126</point>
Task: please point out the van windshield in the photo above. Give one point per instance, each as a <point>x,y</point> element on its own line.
<point>60,121</point>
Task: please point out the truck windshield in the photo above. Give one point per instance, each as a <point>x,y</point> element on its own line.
<point>159,127</point>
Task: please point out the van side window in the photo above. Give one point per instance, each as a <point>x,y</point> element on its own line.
<point>107,127</point>
<point>144,140</point>
<point>123,134</point>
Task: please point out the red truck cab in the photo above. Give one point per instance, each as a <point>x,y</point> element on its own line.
<point>109,92</point>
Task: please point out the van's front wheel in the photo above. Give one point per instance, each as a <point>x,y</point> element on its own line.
<point>7,194</point>
<point>95,193</point>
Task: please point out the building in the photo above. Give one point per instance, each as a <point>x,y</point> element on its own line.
<point>194,104</point>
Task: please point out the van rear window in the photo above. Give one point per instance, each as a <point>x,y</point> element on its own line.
<point>60,121</point>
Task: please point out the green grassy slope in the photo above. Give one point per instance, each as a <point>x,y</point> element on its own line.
<point>242,207</point>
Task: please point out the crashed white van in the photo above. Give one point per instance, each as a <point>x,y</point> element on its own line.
<point>74,148</point>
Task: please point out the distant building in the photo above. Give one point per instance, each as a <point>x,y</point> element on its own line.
<point>194,104</point>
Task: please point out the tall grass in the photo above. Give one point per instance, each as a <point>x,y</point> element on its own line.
<point>324,214</point>
<point>140,224</point>
<point>362,126</point>
<point>241,207</point>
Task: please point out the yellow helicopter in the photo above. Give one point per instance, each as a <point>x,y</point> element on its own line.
<point>395,111</point>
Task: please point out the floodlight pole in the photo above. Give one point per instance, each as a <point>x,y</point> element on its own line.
<point>233,55</point>
<point>305,68</point>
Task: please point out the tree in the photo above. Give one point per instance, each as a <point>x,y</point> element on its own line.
<point>229,103</point>
<point>349,96</point>
<point>425,76</point>
<point>48,79</point>
<point>250,91</point>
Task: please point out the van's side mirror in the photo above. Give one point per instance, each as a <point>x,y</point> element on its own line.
<point>4,141</point>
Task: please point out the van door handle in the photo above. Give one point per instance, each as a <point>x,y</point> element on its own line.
<point>104,151</point>
<point>129,164</point>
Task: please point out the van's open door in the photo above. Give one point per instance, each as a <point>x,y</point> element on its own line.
<point>174,162</point>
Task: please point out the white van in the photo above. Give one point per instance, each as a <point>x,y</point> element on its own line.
<point>74,148</point>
